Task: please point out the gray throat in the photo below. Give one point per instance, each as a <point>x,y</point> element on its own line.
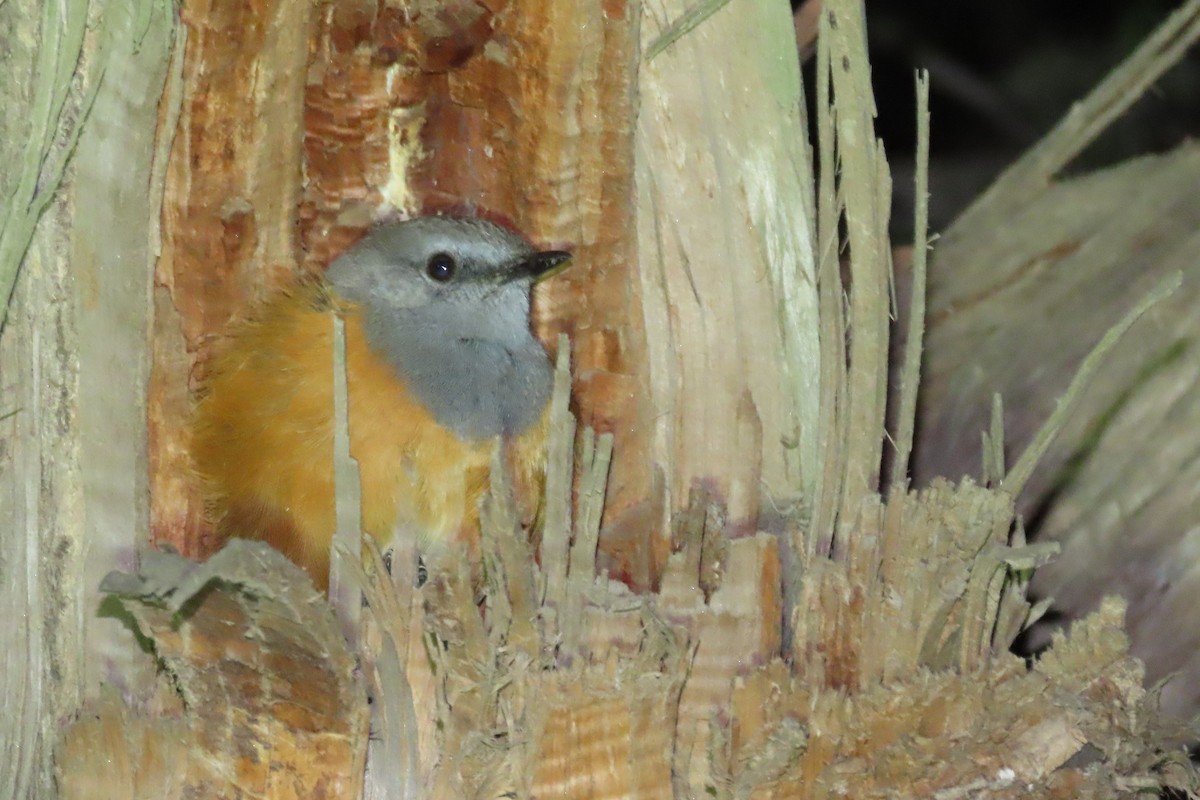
<point>476,388</point>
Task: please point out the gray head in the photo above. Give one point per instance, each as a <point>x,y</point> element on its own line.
<point>446,302</point>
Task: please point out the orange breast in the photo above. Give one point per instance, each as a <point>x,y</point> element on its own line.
<point>263,438</point>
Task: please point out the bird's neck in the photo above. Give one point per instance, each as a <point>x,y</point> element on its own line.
<point>476,387</point>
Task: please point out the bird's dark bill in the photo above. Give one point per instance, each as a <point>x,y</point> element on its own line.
<point>543,264</point>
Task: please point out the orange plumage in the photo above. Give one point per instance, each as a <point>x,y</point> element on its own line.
<point>263,437</point>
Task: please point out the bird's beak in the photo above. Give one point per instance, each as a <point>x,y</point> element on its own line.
<point>542,265</point>
<point>533,267</point>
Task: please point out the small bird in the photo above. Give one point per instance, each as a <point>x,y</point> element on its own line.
<point>440,361</point>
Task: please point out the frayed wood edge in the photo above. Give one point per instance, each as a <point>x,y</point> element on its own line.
<point>595,459</point>
<point>393,754</point>
<point>866,186</point>
<point>1016,479</point>
<point>357,569</point>
<point>345,558</point>
<point>992,449</point>
<point>831,417</point>
<point>910,378</point>
<point>556,533</point>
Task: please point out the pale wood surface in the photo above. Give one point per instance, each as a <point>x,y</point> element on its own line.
<point>73,354</point>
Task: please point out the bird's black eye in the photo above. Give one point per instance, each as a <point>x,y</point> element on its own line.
<point>441,267</point>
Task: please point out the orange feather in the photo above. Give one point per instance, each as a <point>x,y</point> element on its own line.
<point>262,438</point>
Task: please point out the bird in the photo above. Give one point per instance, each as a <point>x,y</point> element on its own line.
<point>440,362</point>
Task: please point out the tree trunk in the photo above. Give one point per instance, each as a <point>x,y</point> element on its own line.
<point>73,352</point>
<point>740,614</point>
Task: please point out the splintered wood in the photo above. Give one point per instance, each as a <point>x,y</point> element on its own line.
<point>567,685</point>
<point>899,686</point>
<point>264,700</point>
<point>665,695</point>
<point>919,586</point>
<point>1119,484</point>
<point>626,706</point>
<point>1046,257</point>
<point>1002,733</point>
<point>899,682</point>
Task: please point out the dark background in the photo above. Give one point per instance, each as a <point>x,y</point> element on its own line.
<point>1001,75</point>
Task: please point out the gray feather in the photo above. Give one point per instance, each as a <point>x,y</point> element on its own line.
<point>463,347</point>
